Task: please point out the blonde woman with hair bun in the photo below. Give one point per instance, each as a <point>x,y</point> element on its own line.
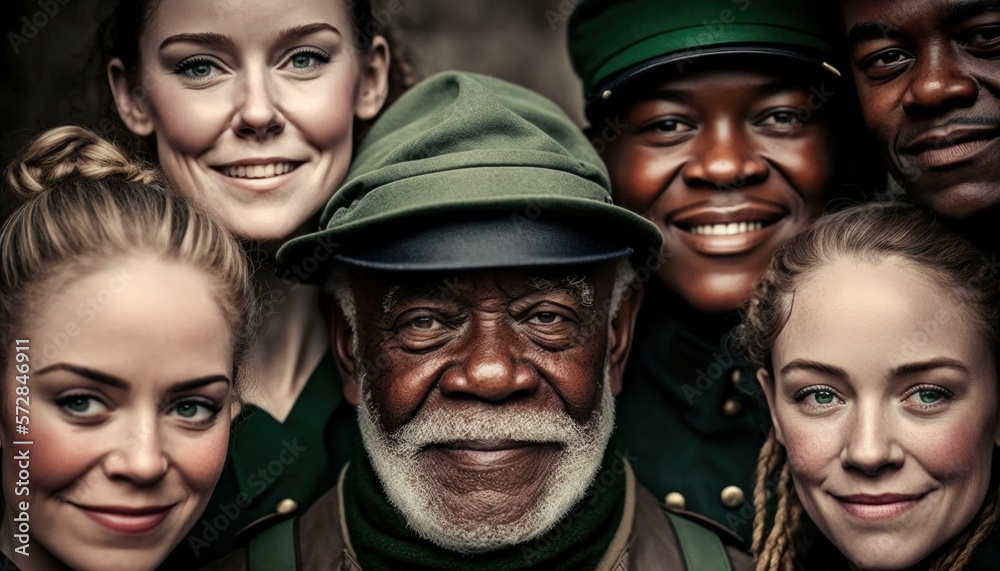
<point>124,316</point>
<point>876,334</point>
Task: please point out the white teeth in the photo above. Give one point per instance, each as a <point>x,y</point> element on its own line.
<point>257,171</point>
<point>726,229</point>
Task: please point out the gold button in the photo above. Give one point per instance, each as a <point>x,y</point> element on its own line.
<point>736,376</point>
<point>733,497</point>
<point>674,500</point>
<point>606,95</point>
<point>287,506</point>
<point>731,407</point>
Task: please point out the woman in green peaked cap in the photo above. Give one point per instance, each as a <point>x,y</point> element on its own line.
<point>253,109</point>
<point>719,121</point>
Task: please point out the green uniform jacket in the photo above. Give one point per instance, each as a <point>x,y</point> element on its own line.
<point>692,432</point>
<point>275,470</point>
<point>646,540</point>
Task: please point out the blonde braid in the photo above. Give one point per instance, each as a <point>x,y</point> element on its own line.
<point>770,456</point>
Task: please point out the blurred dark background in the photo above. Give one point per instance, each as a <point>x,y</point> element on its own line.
<point>54,76</point>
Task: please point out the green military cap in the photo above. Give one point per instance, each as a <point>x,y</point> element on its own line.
<point>611,42</point>
<point>467,171</point>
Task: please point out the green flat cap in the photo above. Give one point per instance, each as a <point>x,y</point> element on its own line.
<point>467,171</point>
<point>613,41</point>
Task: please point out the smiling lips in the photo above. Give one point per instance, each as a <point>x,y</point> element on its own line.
<point>727,230</point>
<point>881,507</point>
<point>257,171</point>
<point>127,520</point>
<point>948,146</point>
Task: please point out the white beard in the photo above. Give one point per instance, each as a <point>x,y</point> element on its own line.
<point>395,458</point>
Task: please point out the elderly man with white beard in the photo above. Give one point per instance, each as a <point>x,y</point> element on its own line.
<point>486,290</point>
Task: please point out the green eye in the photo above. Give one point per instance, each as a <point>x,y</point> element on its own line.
<point>301,61</point>
<point>187,409</point>
<point>929,397</point>
<point>78,404</point>
<point>824,397</point>
<point>201,70</point>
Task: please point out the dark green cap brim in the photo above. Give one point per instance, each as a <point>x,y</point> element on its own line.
<point>482,243</point>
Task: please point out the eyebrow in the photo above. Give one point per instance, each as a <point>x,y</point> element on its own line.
<point>113,381</point>
<point>867,31</point>
<point>815,366</point>
<point>963,10</point>
<point>222,40</point>
<point>958,12</point>
<point>930,365</point>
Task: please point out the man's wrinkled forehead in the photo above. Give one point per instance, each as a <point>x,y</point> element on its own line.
<point>511,283</point>
<point>868,20</point>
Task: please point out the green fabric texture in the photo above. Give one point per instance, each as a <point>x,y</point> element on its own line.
<point>608,38</point>
<point>670,411</point>
<point>383,542</point>
<point>460,144</point>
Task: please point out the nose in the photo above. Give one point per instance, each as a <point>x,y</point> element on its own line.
<point>257,114</point>
<point>724,158</point>
<point>871,445</point>
<point>139,455</point>
<point>490,368</point>
<point>939,83</point>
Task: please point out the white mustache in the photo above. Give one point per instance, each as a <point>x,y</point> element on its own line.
<point>487,423</point>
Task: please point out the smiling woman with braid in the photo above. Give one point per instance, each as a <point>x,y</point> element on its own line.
<point>876,334</point>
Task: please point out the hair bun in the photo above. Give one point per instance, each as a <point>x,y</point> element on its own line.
<point>66,152</point>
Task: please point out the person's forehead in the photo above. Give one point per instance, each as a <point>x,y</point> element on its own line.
<point>867,19</point>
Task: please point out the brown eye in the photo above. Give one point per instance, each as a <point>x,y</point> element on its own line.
<point>888,58</point>
<point>423,323</point>
<point>547,317</point>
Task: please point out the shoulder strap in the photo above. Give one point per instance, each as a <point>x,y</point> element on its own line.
<point>274,549</point>
<point>701,548</point>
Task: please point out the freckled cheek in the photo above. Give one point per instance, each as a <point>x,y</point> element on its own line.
<point>954,451</point>
<point>812,451</point>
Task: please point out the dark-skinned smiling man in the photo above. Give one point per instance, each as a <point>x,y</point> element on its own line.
<point>485,292</point>
<point>928,77</point>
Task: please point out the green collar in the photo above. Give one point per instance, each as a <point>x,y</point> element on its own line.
<point>382,540</point>
<point>258,439</point>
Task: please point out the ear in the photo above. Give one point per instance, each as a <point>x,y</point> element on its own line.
<point>342,338</point>
<point>766,383</point>
<point>132,101</point>
<point>374,88</point>
<point>622,327</point>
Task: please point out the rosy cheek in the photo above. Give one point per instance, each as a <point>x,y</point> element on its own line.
<point>61,454</point>
<point>810,452</point>
<point>186,125</point>
<point>202,470</point>
<point>952,451</point>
